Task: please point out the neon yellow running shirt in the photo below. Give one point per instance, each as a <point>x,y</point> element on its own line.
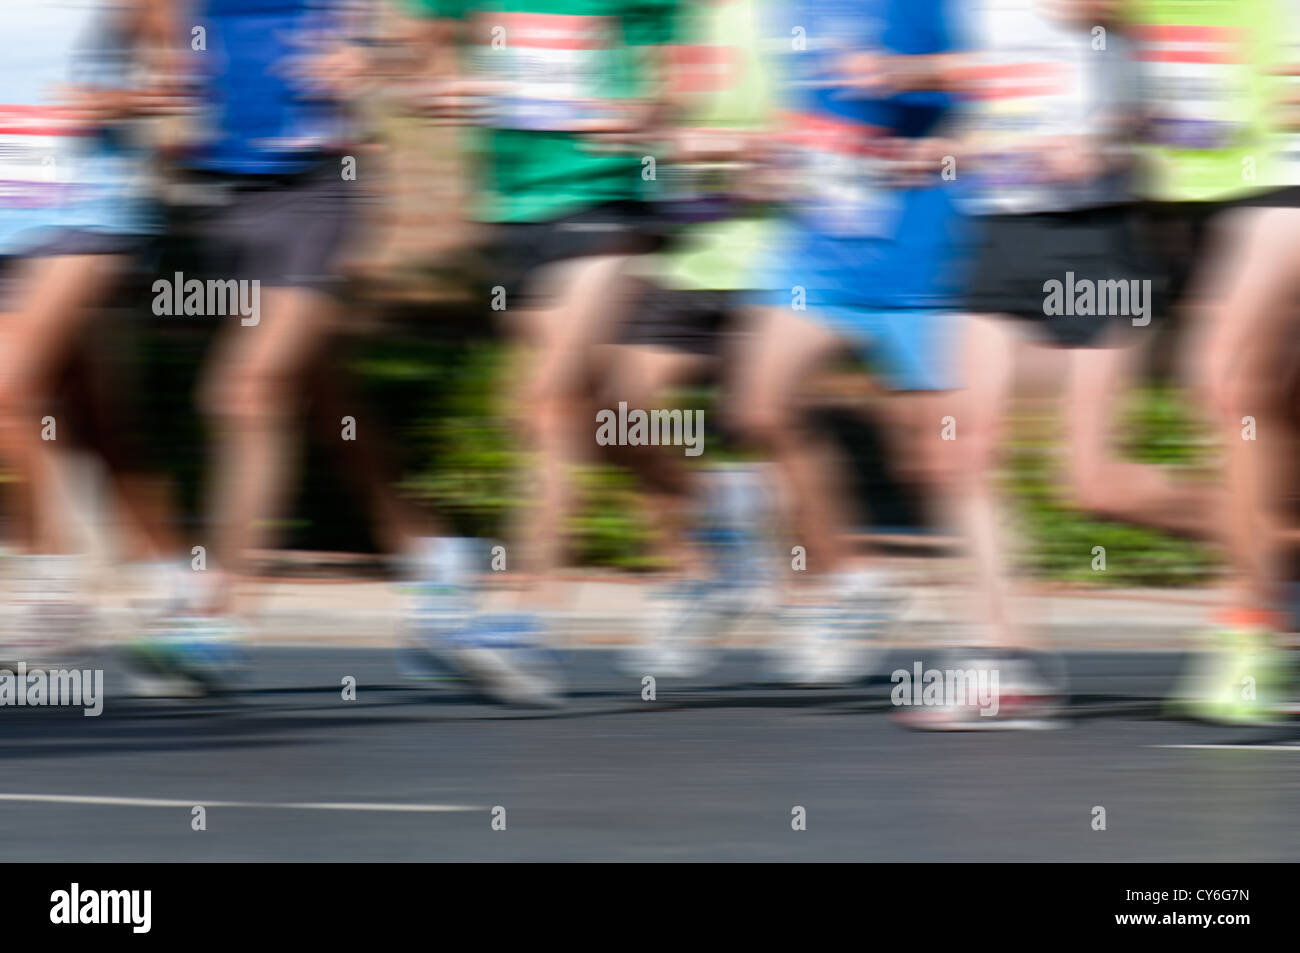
<point>726,84</point>
<point>1207,93</point>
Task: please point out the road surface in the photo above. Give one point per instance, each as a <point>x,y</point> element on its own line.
<point>288,770</point>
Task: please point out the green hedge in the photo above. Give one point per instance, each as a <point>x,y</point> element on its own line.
<point>463,458</point>
<point>441,403</point>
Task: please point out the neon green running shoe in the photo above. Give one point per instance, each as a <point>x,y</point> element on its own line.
<point>1237,678</point>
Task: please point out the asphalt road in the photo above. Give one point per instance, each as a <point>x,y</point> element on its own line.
<point>288,770</point>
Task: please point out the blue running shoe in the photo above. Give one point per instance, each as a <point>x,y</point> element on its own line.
<point>505,657</point>
<point>188,655</point>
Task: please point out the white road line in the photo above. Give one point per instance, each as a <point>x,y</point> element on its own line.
<point>1233,747</point>
<point>293,805</point>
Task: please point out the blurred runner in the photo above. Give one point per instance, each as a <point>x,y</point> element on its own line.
<point>73,209</point>
<point>267,190</point>
<point>1236,135</point>
<point>270,210</point>
<point>1047,174</point>
<point>870,258</point>
<point>1052,100</point>
<point>684,327</point>
<point>562,90</point>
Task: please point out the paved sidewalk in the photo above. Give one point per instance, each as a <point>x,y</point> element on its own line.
<point>604,612</point>
<point>346,606</point>
<point>345,599</point>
